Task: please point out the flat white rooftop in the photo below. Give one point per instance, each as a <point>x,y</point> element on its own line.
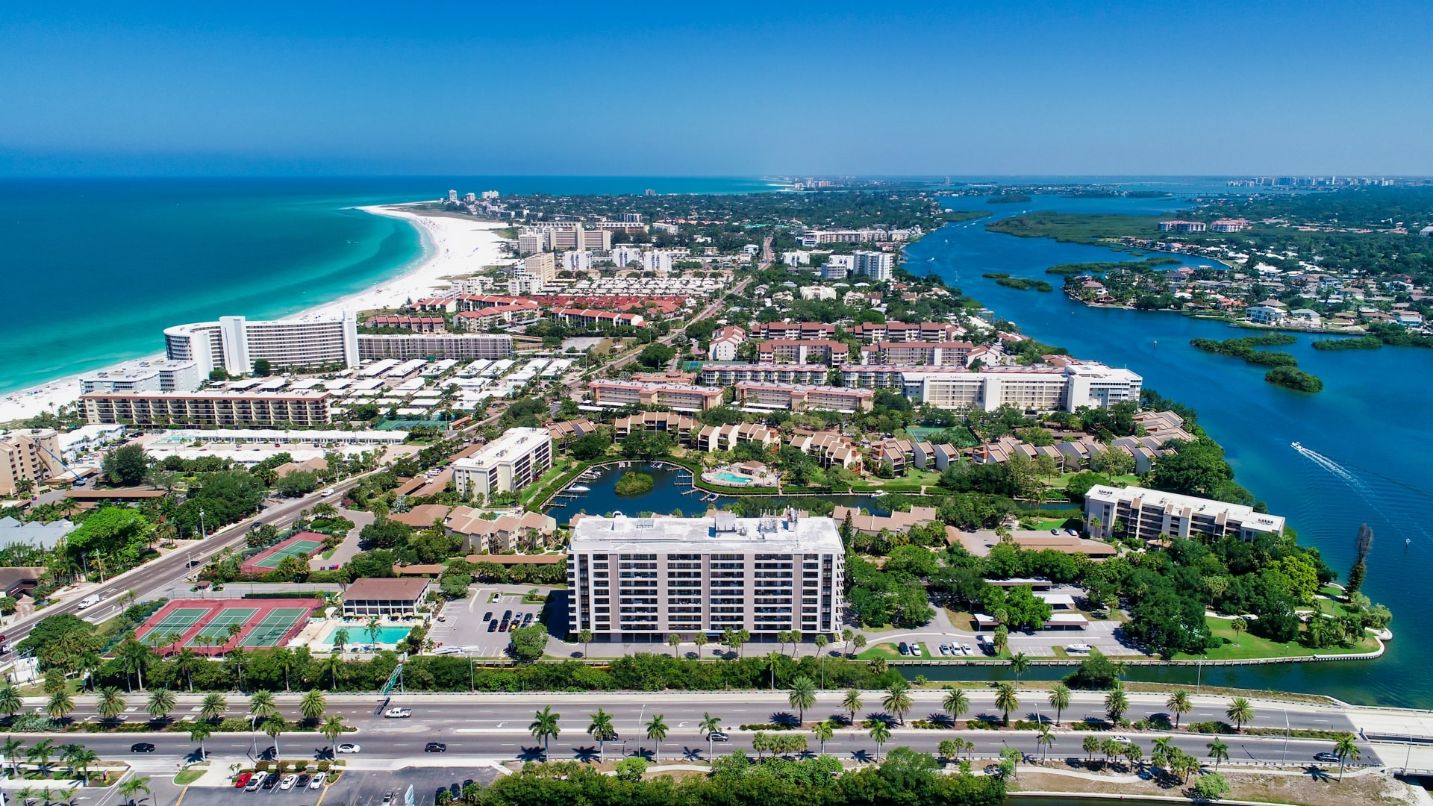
<point>1203,506</point>
<point>723,533</point>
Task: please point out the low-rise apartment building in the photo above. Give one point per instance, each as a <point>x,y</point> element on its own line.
<point>217,409</point>
<point>803,351</point>
<point>641,579</point>
<point>679,396</point>
<point>921,353</point>
<point>872,332</point>
<point>149,376</point>
<point>797,330</point>
<point>828,448</point>
<point>1154,514</point>
<point>382,597</point>
<point>680,426</point>
<point>803,398</point>
<point>507,464</point>
<point>712,438</point>
<point>731,374</point>
<point>454,346</point>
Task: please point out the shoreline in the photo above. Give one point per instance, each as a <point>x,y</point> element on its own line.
<point>450,246</point>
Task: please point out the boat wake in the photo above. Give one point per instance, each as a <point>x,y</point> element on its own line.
<point>1383,495</point>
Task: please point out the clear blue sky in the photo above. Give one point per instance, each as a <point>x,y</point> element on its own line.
<point>776,87</point>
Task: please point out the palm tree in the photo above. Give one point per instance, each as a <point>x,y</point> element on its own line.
<point>186,663</point>
<point>674,641</point>
<point>79,758</point>
<point>1006,700</point>
<point>823,731</point>
<point>846,636</point>
<point>111,703</point>
<point>60,705</point>
<point>10,702</point>
<point>1044,740</point>
<point>1179,705</point>
<point>585,636</point>
<point>1019,664</point>
<point>373,627</point>
<point>332,663</point>
<point>130,787</point>
<point>544,726</point>
<point>161,702</point>
<point>955,703</point>
<point>262,705</point>
<point>709,725</point>
<point>601,730</point>
<point>1218,751</point>
<point>40,754</point>
<point>1347,748</point>
<point>897,701</point>
<point>1238,625</point>
<point>656,731</point>
<point>852,703</point>
<point>213,707</point>
<point>332,728</point>
<point>1240,711</point>
<point>859,641</point>
<point>880,734</point>
<point>1091,745</point>
<point>313,705</point>
<point>1133,755</point>
<point>1116,702</point>
<point>948,749</point>
<point>1059,700</point>
<point>199,730</point>
<point>10,751</point>
<point>340,639</point>
<point>700,639</point>
<point>135,657</point>
<point>802,696</point>
<point>273,726</point>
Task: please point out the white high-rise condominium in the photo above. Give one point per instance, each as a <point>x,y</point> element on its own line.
<point>234,343</point>
<point>505,465</point>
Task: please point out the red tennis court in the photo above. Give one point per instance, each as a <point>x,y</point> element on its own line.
<point>217,626</point>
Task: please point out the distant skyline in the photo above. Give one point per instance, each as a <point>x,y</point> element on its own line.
<point>740,89</point>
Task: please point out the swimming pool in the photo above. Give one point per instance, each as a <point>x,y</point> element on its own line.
<point>358,635</point>
<point>728,477</point>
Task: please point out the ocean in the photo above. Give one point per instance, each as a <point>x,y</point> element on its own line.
<point>97,268</point>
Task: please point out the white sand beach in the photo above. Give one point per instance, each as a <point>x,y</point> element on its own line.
<point>451,246</point>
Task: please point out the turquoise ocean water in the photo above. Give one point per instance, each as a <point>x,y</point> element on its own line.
<point>95,269</point>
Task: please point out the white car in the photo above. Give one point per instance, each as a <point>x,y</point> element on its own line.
<point>288,782</point>
<point>398,713</point>
<point>1077,647</point>
<point>1121,739</point>
<point>89,601</point>
<point>317,782</point>
<point>348,748</point>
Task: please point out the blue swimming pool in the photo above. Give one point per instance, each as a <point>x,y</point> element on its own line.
<point>358,635</point>
<point>727,477</point>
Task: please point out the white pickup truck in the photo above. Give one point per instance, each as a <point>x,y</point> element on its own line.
<point>89,601</point>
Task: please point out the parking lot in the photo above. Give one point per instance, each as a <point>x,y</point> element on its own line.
<point>463,624</point>
<point>354,788</point>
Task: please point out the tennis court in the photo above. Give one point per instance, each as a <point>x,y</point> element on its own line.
<point>302,545</point>
<point>176,622</point>
<point>216,631</point>
<point>275,624</point>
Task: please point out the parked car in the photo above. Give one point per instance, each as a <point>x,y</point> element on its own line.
<point>904,648</point>
<point>243,780</point>
<point>945,649</point>
<point>492,626</point>
<point>302,782</point>
<point>288,782</point>
<point>270,781</point>
<point>1072,533</point>
<point>255,782</point>
<point>318,779</point>
<point>435,747</point>
<point>488,616</point>
<point>916,650</point>
<point>398,713</point>
<point>1077,648</point>
<point>348,748</point>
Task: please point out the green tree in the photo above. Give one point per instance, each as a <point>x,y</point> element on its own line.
<point>1240,712</point>
<point>136,658</point>
<point>1044,740</point>
<point>40,754</point>
<point>332,728</point>
<point>709,726</point>
<point>1019,664</point>
<point>1211,787</point>
<point>1218,751</point>
<point>897,701</point>
<point>955,703</point>
<point>823,731</point>
<point>1346,747</point>
<point>199,730</point>
<point>1006,700</point>
<point>657,731</point>
<point>126,465</point>
<point>544,726</point>
<point>161,703</point>
<point>1116,703</point>
<point>802,696</point>
<point>131,787</point>
<point>213,707</point>
<point>528,643</point>
<point>851,703</point>
<point>585,636</point>
<point>262,368</point>
<point>111,703</point>
<point>601,729</point>
<point>1179,705</point>
<point>273,727</point>
<point>880,734</point>
<point>313,705</point>
<point>10,701</point>
<point>1059,700</point>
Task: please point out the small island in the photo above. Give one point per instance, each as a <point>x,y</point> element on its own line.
<point>1017,283</point>
<point>1285,370</point>
<point>634,483</point>
<point>1294,378</point>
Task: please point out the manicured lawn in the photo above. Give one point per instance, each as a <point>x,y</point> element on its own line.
<point>1249,647</point>
<point>886,651</point>
<point>188,777</point>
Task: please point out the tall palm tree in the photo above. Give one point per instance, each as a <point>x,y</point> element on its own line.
<point>708,726</point>
<point>60,705</point>
<point>331,664</point>
<point>544,726</point>
<point>111,703</point>
<point>161,703</point>
<point>332,728</point>
<point>852,703</point>
<point>1116,702</point>
<point>602,731</point>
<point>1019,664</point>
<point>1006,700</point>
<point>1044,740</point>
<point>1091,745</point>
<point>1133,755</point>
<point>674,641</point>
<point>10,701</point>
<point>1059,700</point>
<point>10,751</point>
<point>213,707</point>
<point>948,749</point>
<point>273,726</point>
<point>79,758</point>
<point>262,705</point>
<point>823,731</point>
<point>955,703</point>
<point>897,701</point>
<point>199,730</point>
<point>313,705</point>
<point>802,696</point>
<point>657,731</point>
<point>40,754</point>
<point>340,640</point>
<point>1179,705</point>
<point>1240,711</point>
<point>130,787</point>
<point>1218,751</point>
<point>1347,748</point>
<point>373,627</point>
<point>700,639</point>
<point>186,662</point>
<point>1163,753</point>
<point>880,734</point>
<point>585,636</point>
<point>135,657</point>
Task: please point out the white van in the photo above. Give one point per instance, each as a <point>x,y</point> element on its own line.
<point>90,601</point>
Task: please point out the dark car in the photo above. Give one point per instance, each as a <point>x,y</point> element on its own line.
<point>141,747</point>
<point>488,616</point>
<point>719,736</point>
<point>302,782</point>
<point>435,747</point>
<point>1328,758</point>
<point>492,626</point>
<point>270,782</point>
<point>527,619</point>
